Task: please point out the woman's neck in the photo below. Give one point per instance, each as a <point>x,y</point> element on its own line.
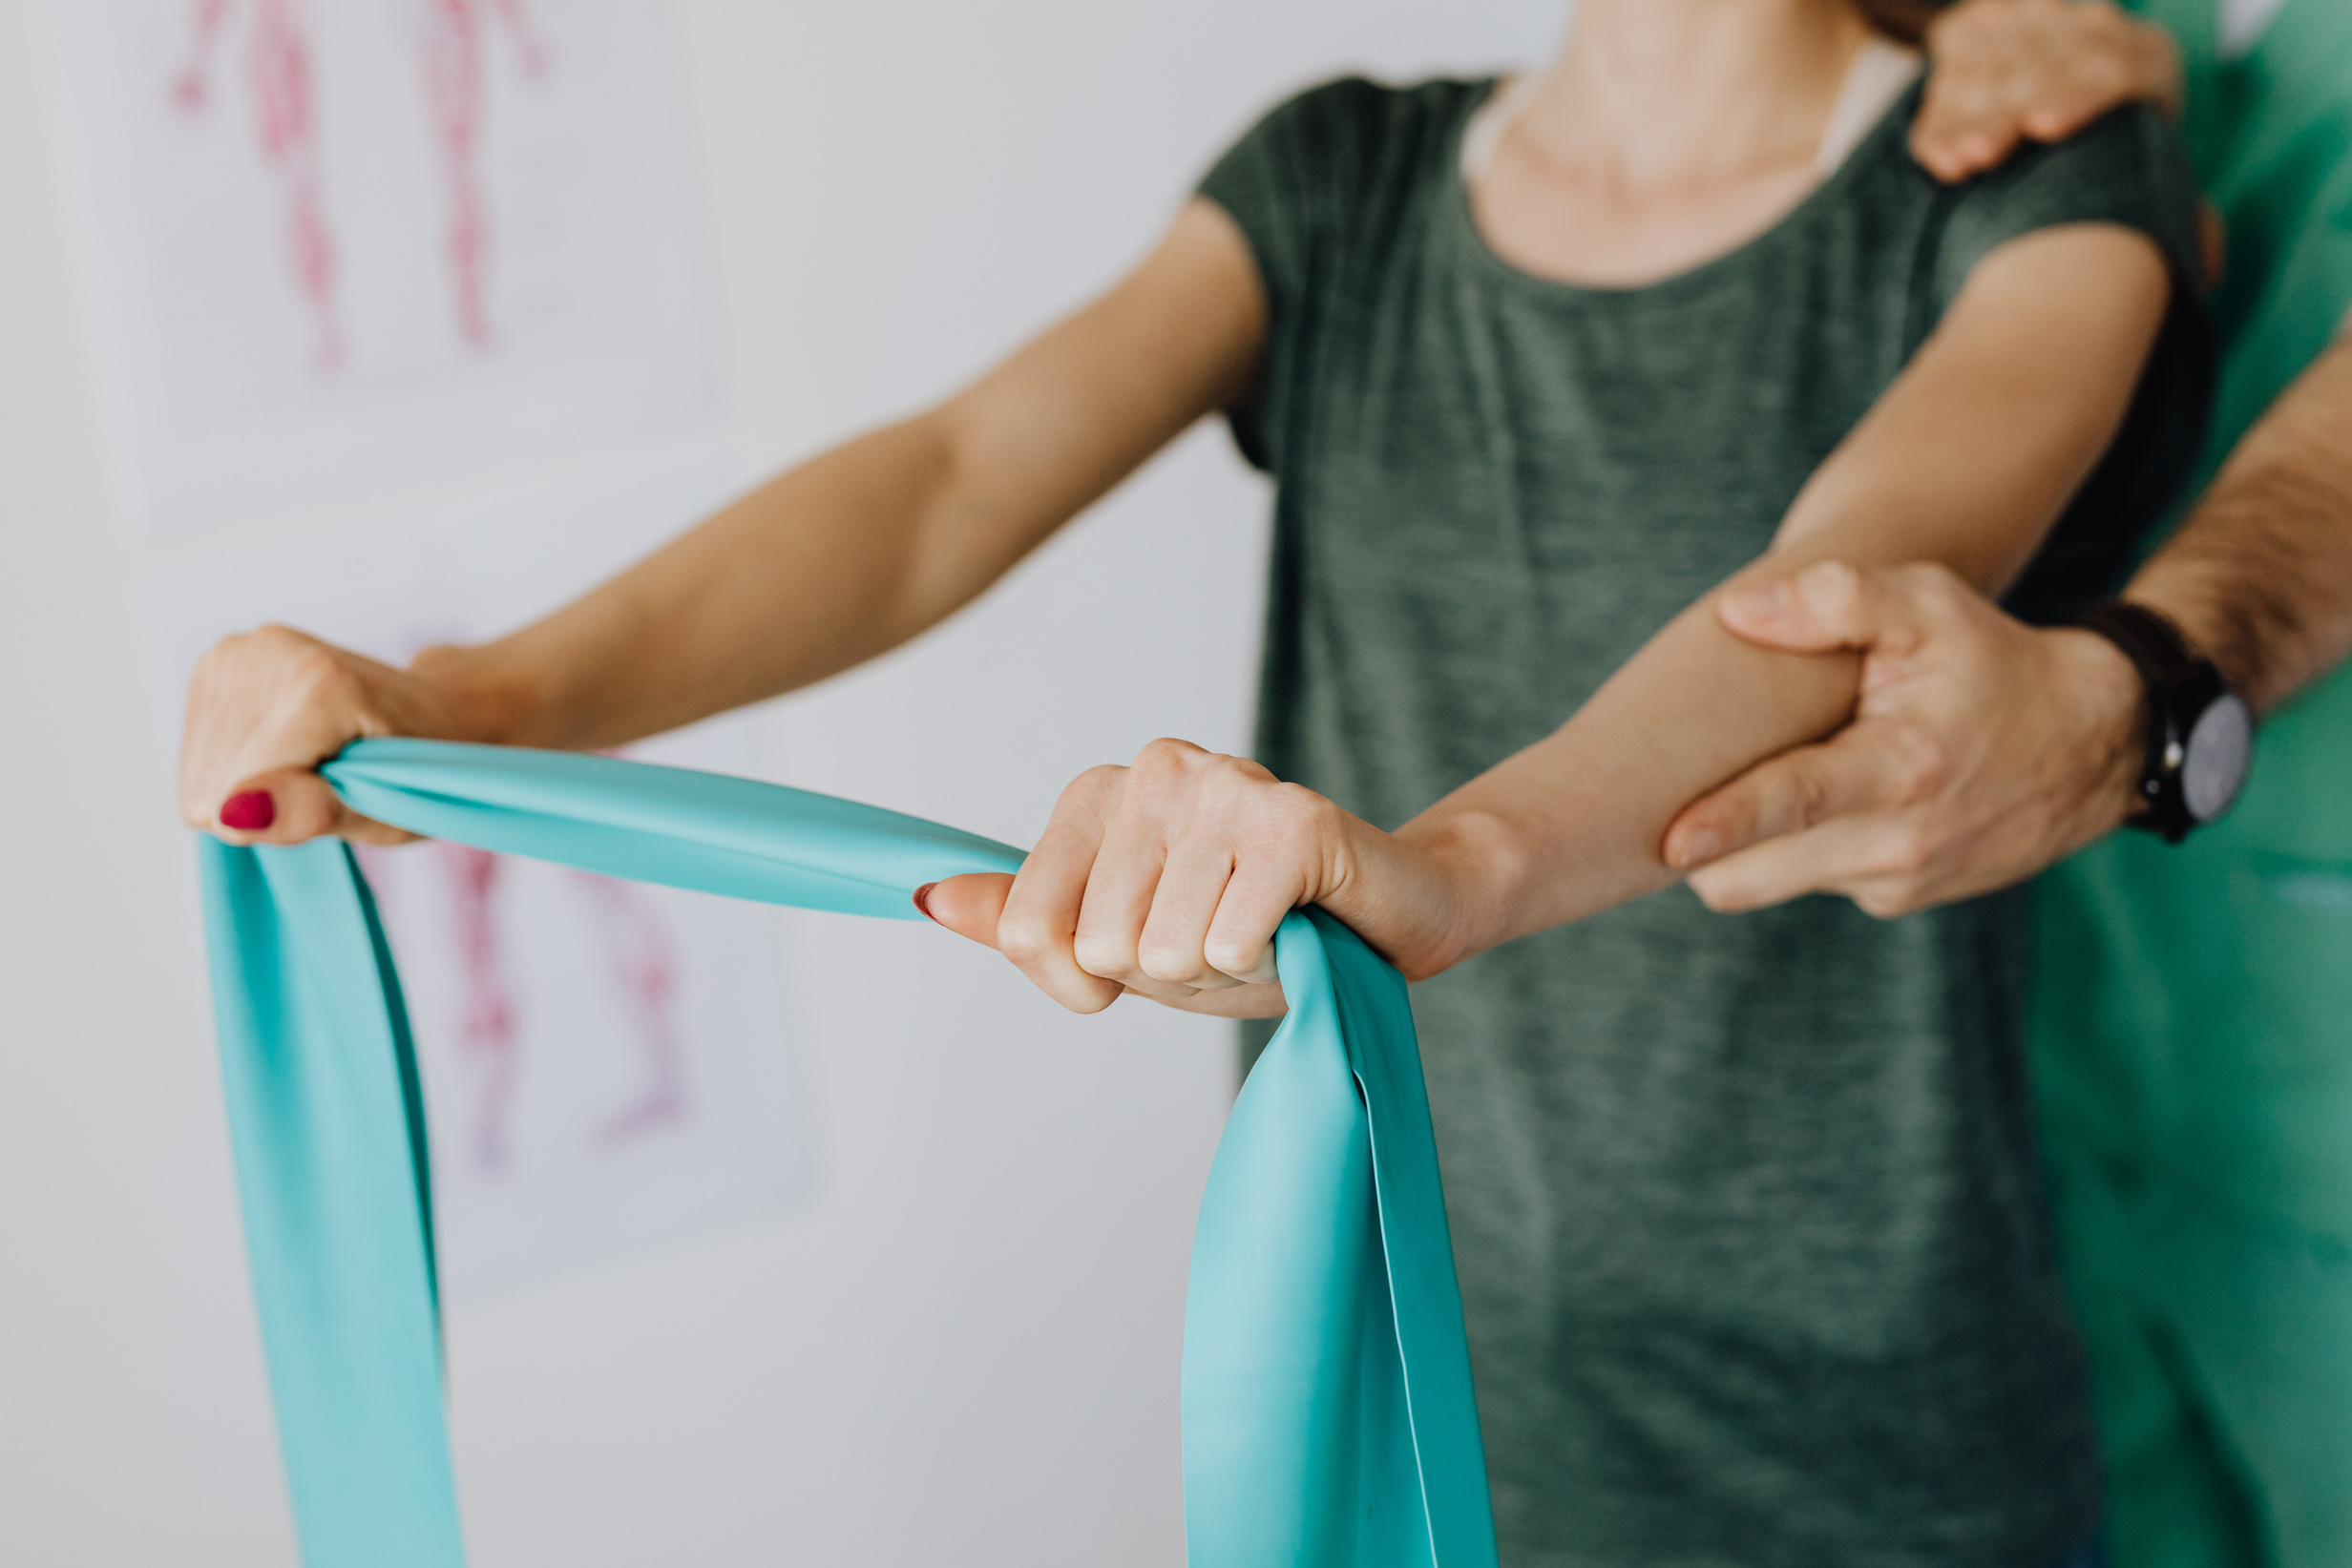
<point>1657,96</point>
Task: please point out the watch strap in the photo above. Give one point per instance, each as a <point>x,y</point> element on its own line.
<point>2172,673</point>
<point>2149,639</point>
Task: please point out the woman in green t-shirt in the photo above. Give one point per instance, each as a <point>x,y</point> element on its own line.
<point>1751,1247</point>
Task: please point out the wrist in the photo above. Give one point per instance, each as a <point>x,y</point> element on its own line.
<point>479,698</point>
<point>2194,600</point>
<point>2111,703</point>
<point>1472,860</point>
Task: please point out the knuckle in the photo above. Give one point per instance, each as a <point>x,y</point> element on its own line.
<point>1168,755</point>
<point>1239,772</point>
<point>1168,964</point>
<point>1933,588</point>
<point>1910,851</point>
<point>280,647</point>
<point>1022,940</point>
<point>319,675</point>
<point>1832,586</point>
<point>1097,785</point>
<point>1924,775</point>
<point>1099,955</point>
<point>1297,804</point>
<point>1230,783</point>
<point>1228,957</point>
<point>1809,796</point>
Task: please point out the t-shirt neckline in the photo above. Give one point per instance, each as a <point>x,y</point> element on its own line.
<point>1692,280</point>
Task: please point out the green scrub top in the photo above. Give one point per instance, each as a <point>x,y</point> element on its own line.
<point>2194,1031</point>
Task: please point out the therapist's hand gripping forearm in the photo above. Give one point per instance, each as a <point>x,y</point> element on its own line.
<point>1982,750</point>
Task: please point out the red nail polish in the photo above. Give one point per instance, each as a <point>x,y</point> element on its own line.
<point>251,812</point>
<point>922,900</point>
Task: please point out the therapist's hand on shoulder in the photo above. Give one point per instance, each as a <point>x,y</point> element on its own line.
<point>1167,878</point>
<point>1981,749</point>
<point>2007,72</point>
<point>266,707</point>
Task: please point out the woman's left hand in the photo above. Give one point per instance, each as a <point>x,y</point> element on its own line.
<point>1167,878</point>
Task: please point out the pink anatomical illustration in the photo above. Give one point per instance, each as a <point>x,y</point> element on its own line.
<point>452,49</point>
<point>451,40</point>
<point>281,76</point>
<point>637,955</point>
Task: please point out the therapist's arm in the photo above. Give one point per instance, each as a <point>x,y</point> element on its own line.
<point>1170,877</point>
<point>1983,750</point>
<point>831,563</point>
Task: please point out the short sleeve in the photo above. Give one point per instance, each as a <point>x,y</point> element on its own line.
<point>1286,185</point>
<point>2128,169</point>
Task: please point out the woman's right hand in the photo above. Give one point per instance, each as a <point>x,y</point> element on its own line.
<point>267,707</point>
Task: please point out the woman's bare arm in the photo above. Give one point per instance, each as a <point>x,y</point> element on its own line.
<point>829,564</point>
<point>1168,877</point>
<point>1967,460</point>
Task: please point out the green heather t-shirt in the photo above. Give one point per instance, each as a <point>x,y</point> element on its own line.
<point>1749,1235</point>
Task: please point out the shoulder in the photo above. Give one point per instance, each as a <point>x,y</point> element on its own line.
<point>2129,168</point>
<point>1358,110</point>
<point>1342,134</point>
<point>1318,189</point>
<point>2131,152</point>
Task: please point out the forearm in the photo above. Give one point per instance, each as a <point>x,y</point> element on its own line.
<point>824,566</point>
<point>1573,824</point>
<point>2259,577</point>
<point>830,564</point>
<point>855,552</point>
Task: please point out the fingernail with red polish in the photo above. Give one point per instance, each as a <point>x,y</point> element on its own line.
<point>250,812</point>
<point>922,900</point>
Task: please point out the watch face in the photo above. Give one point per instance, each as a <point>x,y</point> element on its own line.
<point>2220,747</point>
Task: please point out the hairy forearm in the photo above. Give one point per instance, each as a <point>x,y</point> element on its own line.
<point>2259,577</point>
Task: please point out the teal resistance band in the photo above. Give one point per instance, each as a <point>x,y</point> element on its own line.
<point>1327,1413</point>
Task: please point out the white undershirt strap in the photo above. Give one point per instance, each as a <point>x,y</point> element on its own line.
<point>1513,98</point>
<point>1880,73</point>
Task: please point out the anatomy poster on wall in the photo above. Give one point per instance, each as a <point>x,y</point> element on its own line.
<point>400,308</point>
<point>609,1067</point>
<point>382,246</point>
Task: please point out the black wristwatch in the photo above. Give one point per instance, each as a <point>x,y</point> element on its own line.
<point>2200,734</point>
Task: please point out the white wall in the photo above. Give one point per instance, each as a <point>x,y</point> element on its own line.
<point>965,1350</point>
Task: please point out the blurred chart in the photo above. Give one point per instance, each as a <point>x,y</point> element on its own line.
<point>389,245</point>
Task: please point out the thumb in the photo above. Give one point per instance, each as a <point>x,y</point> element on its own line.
<point>1800,788</point>
<point>293,805</point>
<point>969,904</point>
<point>1825,607</point>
